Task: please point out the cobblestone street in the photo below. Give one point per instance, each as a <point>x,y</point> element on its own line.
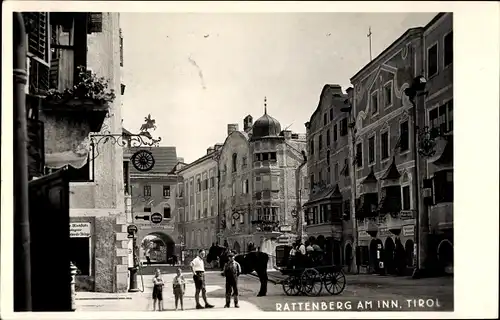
<point>436,294</point>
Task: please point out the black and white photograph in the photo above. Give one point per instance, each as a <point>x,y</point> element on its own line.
<point>229,163</point>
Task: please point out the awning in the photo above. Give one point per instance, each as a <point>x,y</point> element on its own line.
<point>332,192</point>
<point>370,178</point>
<point>392,172</point>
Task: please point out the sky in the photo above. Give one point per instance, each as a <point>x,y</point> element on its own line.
<point>197,72</point>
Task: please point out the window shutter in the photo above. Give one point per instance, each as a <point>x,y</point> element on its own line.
<point>94,22</point>
<point>36,24</point>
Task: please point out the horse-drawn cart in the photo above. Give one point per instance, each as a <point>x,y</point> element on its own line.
<point>309,276</point>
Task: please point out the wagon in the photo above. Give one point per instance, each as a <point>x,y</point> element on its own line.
<point>310,278</point>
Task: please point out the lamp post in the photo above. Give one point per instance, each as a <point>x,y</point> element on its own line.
<point>416,90</point>
<point>354,219</point>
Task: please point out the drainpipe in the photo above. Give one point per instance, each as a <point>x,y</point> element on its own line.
<point>298,194</point>
<point>22,261</point>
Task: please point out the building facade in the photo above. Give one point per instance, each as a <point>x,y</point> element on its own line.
<point>197,203</point>
<point>97,208</point>
<point>385,171</point>
<point>438,168</point>
<point>328,209</point>
<point>261,185</point>
<point>153,202</point>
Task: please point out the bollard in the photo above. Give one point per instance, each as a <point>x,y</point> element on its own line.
<point>73,291</point>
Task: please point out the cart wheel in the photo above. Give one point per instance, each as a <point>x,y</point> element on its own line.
<point>310,282</point>
<point>334,282</point>
<point>291,286</point>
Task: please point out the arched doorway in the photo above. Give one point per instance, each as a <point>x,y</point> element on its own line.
<point>445,256</point>
<point>159,246</point>
<point>376,254</point>
<point>409,253</point>
<point>337,253</point>
<point>400,257</point>
<point>236,247</point>
<point>348,256</point>
<point>389,251</point>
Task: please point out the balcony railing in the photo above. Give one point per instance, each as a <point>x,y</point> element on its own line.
<point>265,225</point>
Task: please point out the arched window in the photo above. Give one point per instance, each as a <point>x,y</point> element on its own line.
<point>198,238</point>
<point>235,160</point>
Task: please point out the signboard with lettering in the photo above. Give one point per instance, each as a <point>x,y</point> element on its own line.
<point>406,215</point>
<point>363,235</point>
<point>285,228</point>
<point>382,232</point>
<point>156,217</point>
<point>408,230</point>
<point>79,229</point>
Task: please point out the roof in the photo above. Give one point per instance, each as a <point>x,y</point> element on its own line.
<point>266,126</point>
<point>370,178</point>
<point>209,156</point>
<point>330,192</point>
<point>333,87</point>
<point>392,172</point>
<point>165,159</point>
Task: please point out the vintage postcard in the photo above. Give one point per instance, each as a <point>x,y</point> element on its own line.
<point>239,160</point>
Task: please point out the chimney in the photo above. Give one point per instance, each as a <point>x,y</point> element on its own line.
<point>247,122</point>
<point>232,127</point>
<point>218,146</point>
<point>210,150</point>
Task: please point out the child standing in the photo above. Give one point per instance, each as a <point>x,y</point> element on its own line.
<point>179,286</point>
<point>158,290</point>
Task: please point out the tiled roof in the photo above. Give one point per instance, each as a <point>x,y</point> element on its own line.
<point>165,159</point>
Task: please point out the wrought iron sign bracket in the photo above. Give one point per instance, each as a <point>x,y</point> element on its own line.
<point>427,140</point>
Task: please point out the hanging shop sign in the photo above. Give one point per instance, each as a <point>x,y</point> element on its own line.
<point>156,218</point>
<point>408,230</point>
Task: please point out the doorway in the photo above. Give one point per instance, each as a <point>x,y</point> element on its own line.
<point>79,254</point>
<point>389,256</point>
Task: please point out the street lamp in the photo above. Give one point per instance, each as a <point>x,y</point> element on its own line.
<point>421,222</point>
<point>352,125</point>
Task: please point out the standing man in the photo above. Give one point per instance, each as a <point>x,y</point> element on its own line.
<point>232,270</point>
<point>198,268</point>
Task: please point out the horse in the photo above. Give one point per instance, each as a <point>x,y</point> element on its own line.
<point>249,262</point>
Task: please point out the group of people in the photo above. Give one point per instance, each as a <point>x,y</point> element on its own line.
<point>232,271</point>
<point>301,253</point>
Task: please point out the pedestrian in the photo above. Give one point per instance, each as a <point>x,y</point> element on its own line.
<point>179,286</point>
<point>158,290</point>
<point>198,268</point>
<point>232,270</point>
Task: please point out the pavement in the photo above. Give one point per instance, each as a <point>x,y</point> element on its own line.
<point>362,293</point>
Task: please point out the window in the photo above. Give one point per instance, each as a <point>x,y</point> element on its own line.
<point>335,132</point>
<point>212,182</point>
<point>343,127</point>
<point>443,186</point>
<point>243,162</point>
<point>320,142</point>
<point>147,209</point>
<point>442,118</point>
<point>198,217</point>
<point>448,49</point>
<point>328,137</point>
<point>406,197</point>
<point>384,144</point>
<point>311,181</point>
<point>167,214</point>
<point>346,167</point>
<point>328,157</point>
<point>198,185</point>
<point>147,191</point>
<point>336,172</point>
<point>166,191</point>
<point>235,160</point>
<point>359,154</point>
<point>211,210</point>
<point>311,146</point>
<point>388,94</point>
<point>205,212</point>
<point>331,114</point>
<point>325,119</point>
<point>404,142</point>
<point>328,175</point>
<point>272,156</point>
<point>374,102</point>
<point>245,186</point>
<point>432,61</point>
<point>371,150</point>
<point>205,184</point>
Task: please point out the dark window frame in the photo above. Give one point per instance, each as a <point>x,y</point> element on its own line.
<point>432,62</point>
<point>448,49</point>
<point>404,132</point>
<point>371,150</point>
